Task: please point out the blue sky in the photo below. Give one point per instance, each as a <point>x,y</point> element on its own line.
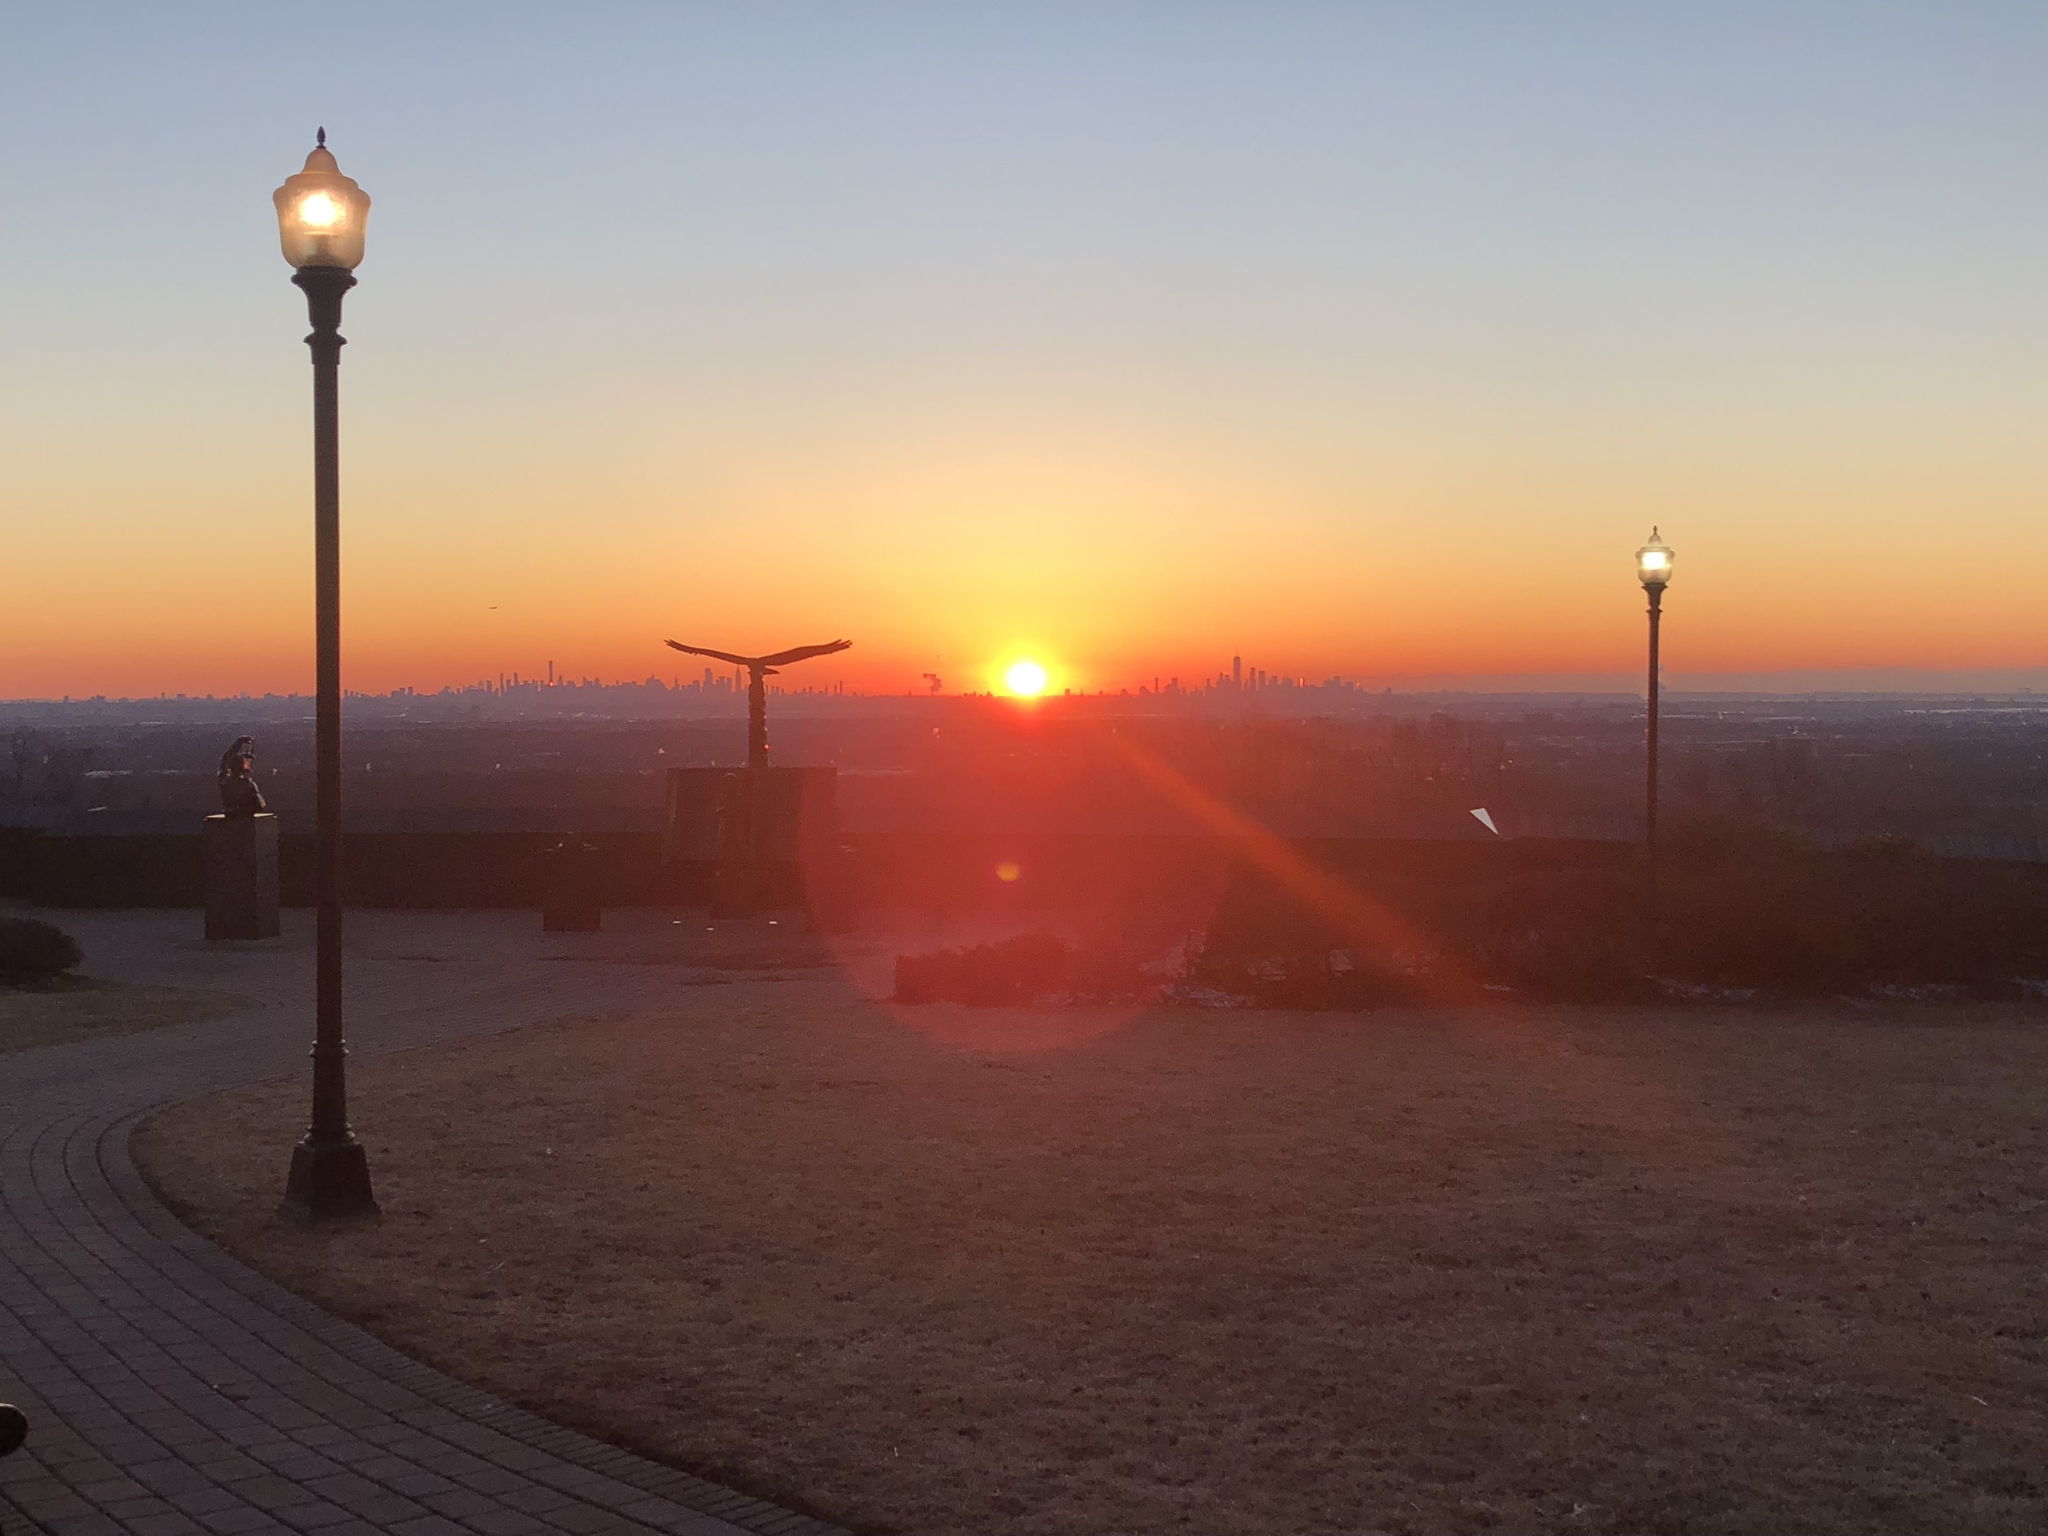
<point>1088,307</point>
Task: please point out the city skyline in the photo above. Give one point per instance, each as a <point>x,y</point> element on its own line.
<point>719,686</point>
<point>1368,339</point>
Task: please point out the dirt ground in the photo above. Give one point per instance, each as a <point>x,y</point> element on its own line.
<point>937,1270</point>
<point>75,1008</point>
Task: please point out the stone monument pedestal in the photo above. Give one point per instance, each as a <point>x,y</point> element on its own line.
<point>241,876</point>
<point>764,832</point>
<point>572,888</point>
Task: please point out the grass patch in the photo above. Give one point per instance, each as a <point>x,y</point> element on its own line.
<point>70,1008</point>
<point>1536,1270</point>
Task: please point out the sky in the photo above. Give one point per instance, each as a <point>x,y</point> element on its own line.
<point>1364,338</point>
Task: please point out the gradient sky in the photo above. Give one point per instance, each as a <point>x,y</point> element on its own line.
<point>1363,337</point>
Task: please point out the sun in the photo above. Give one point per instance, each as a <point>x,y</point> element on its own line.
<point>1025,679</point>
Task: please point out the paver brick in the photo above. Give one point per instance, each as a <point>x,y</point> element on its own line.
<point>170,1524</point>
<point>509,1522</point>
<point>233,1522</point>
<point>420,1482</point>
<point>208,1500</point>
<point>128,1511</point>
<point>314,1515</point>
<point>169,1476</point>
<point>493,1480</point>
<point>429,1525</point>
<point>94,1524</point>
<point>584,1520</point>
<point>459,1504</point>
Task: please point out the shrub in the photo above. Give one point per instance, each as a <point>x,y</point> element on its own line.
<point>1783,914</point>
<point>32,950</point>
<point>1333,981</point>
<point>1017,970</point>
<point>1568,936</point>
<point>1264,943</point>
<point>1739,907</point>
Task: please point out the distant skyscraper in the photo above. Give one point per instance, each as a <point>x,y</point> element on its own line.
<point>1237,671</point>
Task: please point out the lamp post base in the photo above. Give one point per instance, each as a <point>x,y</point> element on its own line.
<point>329,1182</point>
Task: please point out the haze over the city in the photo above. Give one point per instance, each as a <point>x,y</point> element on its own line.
<point>1361,339</point>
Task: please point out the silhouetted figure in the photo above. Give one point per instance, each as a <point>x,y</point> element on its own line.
<point>759,670</point>
<point>239,795</point>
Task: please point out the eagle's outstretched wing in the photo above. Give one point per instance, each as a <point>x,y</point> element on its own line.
<point>805,652</point>
<point>698,650</point>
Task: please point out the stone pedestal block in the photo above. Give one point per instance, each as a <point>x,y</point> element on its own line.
<point>572,888</point>
<point>241,877</point>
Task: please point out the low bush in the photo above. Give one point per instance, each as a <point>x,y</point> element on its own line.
<point>1568,936</point>
<point>32,950</point>
<point>1019,970</point>
<point>1782,914</point>
<point>1264,945</point>
<point>1739,907</point>
<point>1329,982</point>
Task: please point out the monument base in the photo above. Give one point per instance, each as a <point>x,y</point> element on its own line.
<point>241,876</point>
<point>572,888</point>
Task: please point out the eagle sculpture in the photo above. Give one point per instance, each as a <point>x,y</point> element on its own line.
<point>759,669</point>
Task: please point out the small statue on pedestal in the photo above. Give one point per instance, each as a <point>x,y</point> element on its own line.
<point>239,795</point>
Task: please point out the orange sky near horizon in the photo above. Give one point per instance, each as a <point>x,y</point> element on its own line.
<point>1112,558</point>
<point>1352,341</point>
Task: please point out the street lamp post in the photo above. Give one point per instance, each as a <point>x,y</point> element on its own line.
<point>1653,567</point>
<point>320,218</point>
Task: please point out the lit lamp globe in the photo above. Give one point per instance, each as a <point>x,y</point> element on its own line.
<point>321,214</point>
<point>1653,563</point>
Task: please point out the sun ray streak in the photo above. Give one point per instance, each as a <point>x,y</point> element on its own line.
<point>1373,925</point>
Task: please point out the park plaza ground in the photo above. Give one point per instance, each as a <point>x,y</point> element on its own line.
<point>1060,1270</point>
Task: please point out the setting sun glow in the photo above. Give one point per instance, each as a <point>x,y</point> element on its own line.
<point>1025,679</point>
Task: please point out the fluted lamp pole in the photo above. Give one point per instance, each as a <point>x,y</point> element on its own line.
<point>1653,568</point>
<point>320,219</point>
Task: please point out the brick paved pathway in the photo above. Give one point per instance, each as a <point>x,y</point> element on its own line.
<point>172,1390</point>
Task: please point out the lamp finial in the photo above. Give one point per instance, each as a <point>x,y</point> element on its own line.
<point>320,137</point>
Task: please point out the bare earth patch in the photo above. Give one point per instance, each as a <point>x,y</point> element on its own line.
<point>946,1271</point>
<point>76,1008</point>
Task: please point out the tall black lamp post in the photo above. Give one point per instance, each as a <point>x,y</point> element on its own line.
<point>1653,566</point>
<point>320,219</point>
